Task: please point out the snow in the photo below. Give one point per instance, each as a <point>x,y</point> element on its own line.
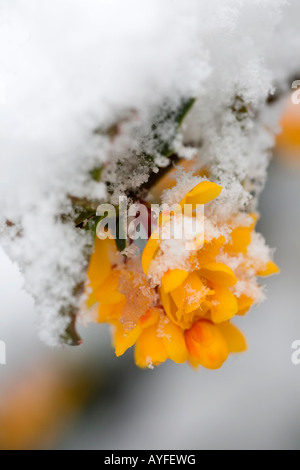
<point>69,67</point>
<point>186,181</point>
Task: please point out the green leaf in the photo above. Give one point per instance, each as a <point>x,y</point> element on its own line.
<point>95,173</point>
<point>183,110</point>
<point>84,216</point>
<point>92,224</point>
<point>121,236</point>
<point>120,244</point>
<point>169,119</point>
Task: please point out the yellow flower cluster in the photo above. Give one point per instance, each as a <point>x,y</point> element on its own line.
<point>187,315</point>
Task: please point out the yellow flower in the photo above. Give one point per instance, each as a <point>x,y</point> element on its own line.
<point>288,141</point>
<point>181,312</point>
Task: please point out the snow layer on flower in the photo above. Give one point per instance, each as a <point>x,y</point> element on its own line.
<point>70,67</point>
<point>247,266</point>
<point>260,251</point>
<point>185,182</point>
<point>172,255</point>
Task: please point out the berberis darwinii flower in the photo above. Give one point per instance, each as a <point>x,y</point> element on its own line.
<point>177,301</point>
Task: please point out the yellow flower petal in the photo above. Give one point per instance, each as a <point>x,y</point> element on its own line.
<point>150,349</point>
<point>202,194</point>
<point>179,296</point>
<point>190,295</point>
<point>110,313</point>
<point>170,308</point>
<point>206,345</point>
<point>224,305</point>
<point>235,339</point>
<point>207,254</point>
<point>173,279</point>
<point>244,303</point>
<point>192,303</point>
<point>108,292</point>
<point>149,252</point>
<point>91,300</point>
<point>219,273</point>
<point>165,299</point>
<point>149,318</point>
<point>173,338</point>
<point>271,269</point>
<point>126,338</point>
<point>193,363</point>
<point>240,240</point>
<point>99,267</point>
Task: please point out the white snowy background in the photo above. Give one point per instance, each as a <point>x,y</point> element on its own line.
<point>65,68</point>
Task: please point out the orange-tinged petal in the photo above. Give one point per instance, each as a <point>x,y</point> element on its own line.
<point>124,339</point>
<point>110,313</point>
<point>100,266</point>
<point>216,244</point>
<point>165,299</point>
<point>224,305</point>
<point>207,253</point>
<point>108,292</point>
<point>235,339</point>
<point>193,363</point>
<point>172,311</point>
<point>187,319</point>
<point>288,141</point>
<point>173,338</point>
<point>244,303</point>
<point>180,317</point>
<point>173,279</point>
<point>178,295</point>
<point>149,318</point>
<point>149,252</point>
<point>255,218</point>
<point>202,194</point>
<point>150,349</point>
<point>240,240</point>
<point>91,300</point>
<point>190,295</point>
<point>271,269</point>
<point>169,306</point>
<point>206,345</point>
<point>219,273</point>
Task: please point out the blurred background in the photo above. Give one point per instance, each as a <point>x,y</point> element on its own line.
<point>85,398</point>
